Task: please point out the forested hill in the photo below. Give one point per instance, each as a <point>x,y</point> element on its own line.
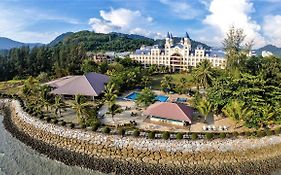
<point>6,43</point>
<point>118,42</point>
<point>65,55</point>
<point>271,48</point>
<point>105,42</point>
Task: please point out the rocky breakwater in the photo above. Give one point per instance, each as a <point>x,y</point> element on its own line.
<point>129,155</point>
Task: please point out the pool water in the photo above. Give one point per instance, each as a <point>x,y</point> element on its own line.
<point>134,95</point>
<point>161,98</point>
<point>182,100</point>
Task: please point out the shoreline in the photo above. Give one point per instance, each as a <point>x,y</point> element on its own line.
<point>107,165</point>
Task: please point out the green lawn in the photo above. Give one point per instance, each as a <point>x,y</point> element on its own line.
<point>11,87</point>
<point>156,79</point>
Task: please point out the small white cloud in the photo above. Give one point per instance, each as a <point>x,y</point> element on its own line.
<point>123,20</point>
<point>182,9</point>
<point>271,29</point>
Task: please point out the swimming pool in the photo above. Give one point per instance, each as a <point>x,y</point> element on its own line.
<point>181,100</point>
<point>133,96</point>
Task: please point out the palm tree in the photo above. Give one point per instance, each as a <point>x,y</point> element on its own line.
<point>114,109</point>
<point>203,74</point>
<point>80,106</point>
<point>30,86</point>
<point>145,80</point>
<point>182,85</point>
<point>44,98</point>
<point>204,107</point>
<point>110,93</point>
<point>58,105</point>
<point>146,97</point>
<point>166,82</point>
<point>237,111</point>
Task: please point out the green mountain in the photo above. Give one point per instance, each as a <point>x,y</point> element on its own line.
<point>6,43</point>
<point>60,38</point>
<point>118,42</point>
<point>271,48</point>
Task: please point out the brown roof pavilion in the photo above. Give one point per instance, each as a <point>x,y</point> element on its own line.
<point>170,111</point>
<point>91,84</point>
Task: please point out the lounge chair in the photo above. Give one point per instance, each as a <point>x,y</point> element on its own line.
<point>204,128</point>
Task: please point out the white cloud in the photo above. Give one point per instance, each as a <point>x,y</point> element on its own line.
<point>225,13</point>
<point>123,20</point>
<point>15,24</point>
<point>271,29</point>
<point>181,9</point>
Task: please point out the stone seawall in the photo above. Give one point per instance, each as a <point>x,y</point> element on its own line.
<point>129,155</point>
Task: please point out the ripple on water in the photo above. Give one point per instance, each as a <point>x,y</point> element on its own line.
<point>17,158</point>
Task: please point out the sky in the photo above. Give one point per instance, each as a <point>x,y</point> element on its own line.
<point>205,20</point>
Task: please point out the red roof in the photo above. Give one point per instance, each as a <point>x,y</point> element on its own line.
<point>172,111</point>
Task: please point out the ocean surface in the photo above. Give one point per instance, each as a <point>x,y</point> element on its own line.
<point>18,159</point>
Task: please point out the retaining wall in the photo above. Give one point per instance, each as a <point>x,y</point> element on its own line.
<point>130,155</point>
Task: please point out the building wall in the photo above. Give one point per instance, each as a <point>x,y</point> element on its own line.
<point>178,123</point>
<point>178,57</point>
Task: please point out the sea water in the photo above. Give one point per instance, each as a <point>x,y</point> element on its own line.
<point>18,159</point>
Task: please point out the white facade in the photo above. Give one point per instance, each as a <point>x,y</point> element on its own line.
<point>178,56</point>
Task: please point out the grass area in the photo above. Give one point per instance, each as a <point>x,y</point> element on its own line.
<point>11,87</point>
<point>156,79</point>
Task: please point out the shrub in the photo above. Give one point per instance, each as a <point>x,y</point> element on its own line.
<point>222,135</point>
<point>261,133</point>
<point>41,117</point>
<point>72,125</point>
<point>179,135</point>
<point>209,135</point>
<point>194,136</point>
<point>55,121</point>
<point>151,135</point>
<point>229,135</point>
<point>121,131</point>
<point>247,133</point>
<point>48,119</point>
<point>136,133</point>
<point>106,130</point>
<point>63,123</point>
<point>166,135</point>
<point>242,133</point>
<point>83,126</point>
<point>277,130</point>
<point>269,132</point>
<point>95,126</point>
<point>235,134</point>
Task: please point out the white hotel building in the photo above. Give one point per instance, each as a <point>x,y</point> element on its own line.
<point>178,56</point>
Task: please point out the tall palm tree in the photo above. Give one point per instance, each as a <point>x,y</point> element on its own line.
<point>204,107</point>
<point>146,97</point>
<point>237,111</point>
<point>58,105</point>
<point>110,93</point>
<point>44,97</point>
<point>203,74</point>
<point>145,80</point>
<point>167,82</point>
<point>114,109</point>
<point>80,106</point>
<point>30,86</point>
<point>182,85</point>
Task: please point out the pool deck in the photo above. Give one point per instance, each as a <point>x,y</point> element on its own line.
<point>171,97</point>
